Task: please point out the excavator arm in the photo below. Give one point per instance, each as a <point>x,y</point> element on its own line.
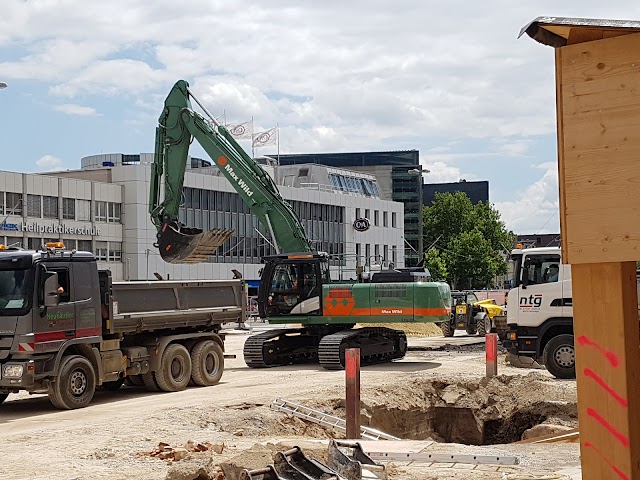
<point>178,125</point>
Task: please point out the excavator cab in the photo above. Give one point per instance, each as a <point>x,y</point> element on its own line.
<point>291,284</point>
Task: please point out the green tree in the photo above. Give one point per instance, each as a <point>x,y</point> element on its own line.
<point>470,239</point>
<point>436,264</point>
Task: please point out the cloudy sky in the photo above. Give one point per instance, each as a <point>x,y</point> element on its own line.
<point>450,79</point>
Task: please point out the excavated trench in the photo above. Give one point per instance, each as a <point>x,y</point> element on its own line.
<point>463,424</point>
<point>468,411</point>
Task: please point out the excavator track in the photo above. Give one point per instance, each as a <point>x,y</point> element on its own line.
<point>286,346</point>
<point>376,344</point>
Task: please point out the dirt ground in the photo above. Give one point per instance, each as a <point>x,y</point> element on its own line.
<point>431,397</point>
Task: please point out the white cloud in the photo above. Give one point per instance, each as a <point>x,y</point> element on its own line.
<point>75,109</point>
<point>537,209</point>
<point>49,163</point>
<point>440,172</point>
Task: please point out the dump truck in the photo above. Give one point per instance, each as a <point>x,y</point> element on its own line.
<point>67,329</point>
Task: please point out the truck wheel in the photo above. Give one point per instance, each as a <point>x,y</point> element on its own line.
<point>447,329</point>
<point>207,363</point>
<point>75,385</point>
<point>149,382</point>
<point>560,357</point>
<point>3,397</point>
<point>471,329</point>
<point>175,369</point>
<point>113,386</point>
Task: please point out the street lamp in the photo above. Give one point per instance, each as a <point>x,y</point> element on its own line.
<point>3,85</point>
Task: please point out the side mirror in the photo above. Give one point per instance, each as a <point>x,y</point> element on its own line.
<point>50,288</point>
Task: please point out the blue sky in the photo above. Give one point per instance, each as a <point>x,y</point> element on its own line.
<point>451,80</point>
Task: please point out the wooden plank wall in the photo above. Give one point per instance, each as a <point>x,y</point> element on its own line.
<point>599,149</point>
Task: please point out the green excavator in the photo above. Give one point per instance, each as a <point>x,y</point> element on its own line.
<point>295,285</point>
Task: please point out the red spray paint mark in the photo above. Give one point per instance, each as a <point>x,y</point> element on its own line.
<point>610,356</point>
<point>597,417</point>
<point>619,472</point>
<point>617,397</point>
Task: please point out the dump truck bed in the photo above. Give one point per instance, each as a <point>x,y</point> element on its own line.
<point>159,305</point>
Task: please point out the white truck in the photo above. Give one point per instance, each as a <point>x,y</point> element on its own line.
<point>540,310</point>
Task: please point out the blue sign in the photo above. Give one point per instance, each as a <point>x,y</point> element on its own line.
<point>9,226</point>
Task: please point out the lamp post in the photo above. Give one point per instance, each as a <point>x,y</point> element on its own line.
<point>418,172</point>
<point>3,85</point>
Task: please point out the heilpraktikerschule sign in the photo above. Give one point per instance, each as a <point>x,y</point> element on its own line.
<point>51,228</point>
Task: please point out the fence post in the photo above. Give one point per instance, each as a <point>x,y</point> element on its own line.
<point>491,348</point>
<point>352,370</point>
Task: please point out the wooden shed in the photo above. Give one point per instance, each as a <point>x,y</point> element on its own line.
<point>598,118</point>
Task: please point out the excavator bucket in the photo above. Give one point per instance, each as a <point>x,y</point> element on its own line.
<point>179,244</point>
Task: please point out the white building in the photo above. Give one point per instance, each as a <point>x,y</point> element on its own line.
<point>103,207</point>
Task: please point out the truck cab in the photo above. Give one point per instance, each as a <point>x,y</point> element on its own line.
<point>540,310</point>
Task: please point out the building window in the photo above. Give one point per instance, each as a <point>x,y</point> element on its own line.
<point>50,207</point>
<point>367,214</point>
<point>84,246</point>
<point>69,208</point>
<point>70,244</point>
<point>1,203</point>
<point>394,220</point>
<point>83,210</point>
<point>101,211</point>
<point>394,255</point>
<point>358,254</point>
<point>101,251</point>
<point>34,243</point>
<point>376,217</point>
<point>367,254</point>
<point>14,203</point>
<point>115,252</point>
<point>385,253</point>
<point>385,219</point>
<point>357,213</point>
<point>34,206</point>
<point>114,213</point>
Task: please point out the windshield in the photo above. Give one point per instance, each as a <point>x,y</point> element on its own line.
<point>15,291</point>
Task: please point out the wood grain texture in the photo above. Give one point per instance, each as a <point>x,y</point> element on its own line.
<point>607,342</point>
<point>598,104</point>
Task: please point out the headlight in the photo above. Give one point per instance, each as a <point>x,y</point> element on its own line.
<point>14,371</point>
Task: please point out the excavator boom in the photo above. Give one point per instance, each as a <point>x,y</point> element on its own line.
<point>178,125</point>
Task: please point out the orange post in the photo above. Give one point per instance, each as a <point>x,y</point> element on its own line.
<point>352,370</point>
<point>491,348</point>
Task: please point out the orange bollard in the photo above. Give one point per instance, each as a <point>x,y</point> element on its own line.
<point>491,348</point>
<point>352,370</point>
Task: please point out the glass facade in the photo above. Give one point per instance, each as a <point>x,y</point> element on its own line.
<point>405,186</point>
<point>208,209</point>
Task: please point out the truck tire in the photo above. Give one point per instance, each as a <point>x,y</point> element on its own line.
<point>149,382</point>
<point>207,363</point>
<point>75,385</point>
<point>447,329</point>
<point>175,369</point>
<point>560,356</point>
<point>3,397</point>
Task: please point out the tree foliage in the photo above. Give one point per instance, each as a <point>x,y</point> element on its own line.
<point>436,264</point>
<point>467,240</point>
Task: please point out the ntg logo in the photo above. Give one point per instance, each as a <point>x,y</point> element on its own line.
<point>532,302</point>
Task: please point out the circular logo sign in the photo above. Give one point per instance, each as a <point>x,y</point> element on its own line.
<point>222,160</point>
<point>361,224</point>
